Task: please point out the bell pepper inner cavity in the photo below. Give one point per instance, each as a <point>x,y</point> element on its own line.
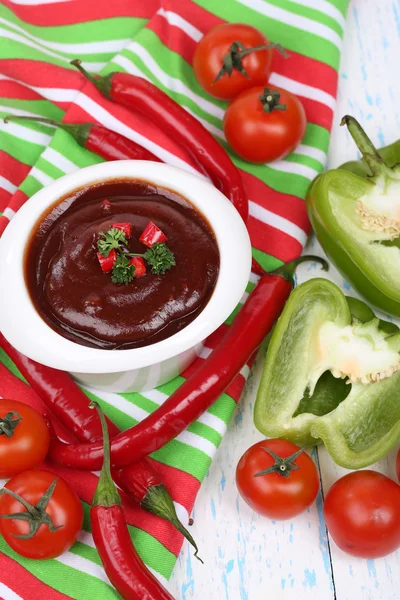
<point>331,376</point>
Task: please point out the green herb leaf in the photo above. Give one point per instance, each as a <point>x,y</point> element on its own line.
<point>112,239</point>
<point>160,258</point>
<point>123,272</point>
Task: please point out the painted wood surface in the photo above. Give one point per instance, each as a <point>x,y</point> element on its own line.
<point>246,556</point>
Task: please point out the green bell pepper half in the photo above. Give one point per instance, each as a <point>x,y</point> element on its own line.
<point>355,214</point>
<point>332,374</point>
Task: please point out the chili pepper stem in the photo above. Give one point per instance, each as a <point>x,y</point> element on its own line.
<point>158,501</point>
<point>80,132</point>
<point>371,155</point>
<point>106,493</point>
<point>287,271</point>
<point>35,515</point>
<point>103,84</point>
<point>9,423</point>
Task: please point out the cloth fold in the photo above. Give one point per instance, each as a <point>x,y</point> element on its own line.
<point>156,40</point>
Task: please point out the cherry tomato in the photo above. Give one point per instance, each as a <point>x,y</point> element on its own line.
<point>259,136</point>
<point>24,438</point>
<point>288,488</point>
<point>215,45</point>
<point>63,508</point>
<point>362,514</point>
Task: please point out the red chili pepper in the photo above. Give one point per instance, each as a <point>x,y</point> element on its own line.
<point>140,95</point>
<point>66,400</point>
<point>125,227</point>
<point>140,266</point>
<point>107,262</point>
<point>122,564</point>
<point>152,234</point>
<point>96,138</point>
<point>252,323</point>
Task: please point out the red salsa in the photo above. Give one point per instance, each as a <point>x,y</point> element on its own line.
<point>82,303</point>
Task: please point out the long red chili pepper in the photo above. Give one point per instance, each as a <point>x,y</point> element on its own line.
<point>67,401</point>
<point>140,95</point>
<point>98,139</point>
<point>121,562</point>
<point>196,394</point>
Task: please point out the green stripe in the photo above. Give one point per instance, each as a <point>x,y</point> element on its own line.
<point>316,136</point>
<point>184,457</point>
<point>307,161</point>
<point>267,261</point>
<point>88,31</point>
<point>18,148</point>
<point>290,37</point>
<point>30,186</point>
<point>144,403</point>
<point>44,108</point>
<point>65,144</point>
<point>206,432</point>
<point>309,13</point>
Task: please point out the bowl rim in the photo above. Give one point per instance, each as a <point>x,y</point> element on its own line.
<point>26,330</point>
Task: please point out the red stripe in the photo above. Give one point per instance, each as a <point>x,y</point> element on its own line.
<point>273,241</point>
<point>13,89</point>
<point>182,486</point>
<point>23,583</point>
<point>173,37</point>
<point>79,11</point>
<point>18,199</point>
<point>15,170</point>
<point>285,205</point>
<point>42,74</point>
<point>4,221</point>
<point>5,198</point>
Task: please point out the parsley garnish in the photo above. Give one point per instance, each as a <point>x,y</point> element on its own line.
<point>111,240</point>
<point>123,271</point>
<point>160,258</point>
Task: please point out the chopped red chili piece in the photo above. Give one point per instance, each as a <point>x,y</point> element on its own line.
<point>140,266</point>
<point>125,227</point>
<point>107,262</point>
<point>152,234</point>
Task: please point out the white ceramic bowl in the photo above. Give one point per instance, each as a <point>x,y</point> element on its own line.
<point>139,368</point>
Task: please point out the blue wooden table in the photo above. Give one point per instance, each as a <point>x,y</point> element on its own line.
<point>249,557</point>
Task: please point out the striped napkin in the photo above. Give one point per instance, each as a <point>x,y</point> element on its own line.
<point>156,40</point>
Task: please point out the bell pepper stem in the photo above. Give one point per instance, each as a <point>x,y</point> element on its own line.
<point>371,155</point>
<point>106,493</point>
<point>287,271</point>
<point>80,131</point>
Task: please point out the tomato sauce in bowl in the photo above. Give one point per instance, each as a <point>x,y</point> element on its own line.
<point>80,302</point>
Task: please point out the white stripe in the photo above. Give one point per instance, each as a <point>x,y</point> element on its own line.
<point>198,442</point>
<point>286,166</point>
<point>83,564</point>
<point>26,134</point>
<point>155,396</point>
<point>270,218</point>
<point>245,371</point>
<point>9,213</point>
<point>301,89</point>
<point>98,47</point>
<point>297,21</point>
<point>108,120</point>
<point>175,85</point>
<point>59,161</point>
<point>324,7</point>
<point>244,298</point>
<point>214,422</point>
<point>55,94</point>
<point>41,177</point>
<point>178,21</point>
<point>205,352</point>
<point>254,278</point>
<point>7,593</point>
<point>22,39</point>
<point>7,185</point>
<point>119,402</point>
<point>312,152</point>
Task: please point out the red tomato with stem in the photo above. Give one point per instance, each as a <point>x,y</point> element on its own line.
<point>277,479</point>
<point>24,438</point>
<point>264,124</point>
<point>362,514</point>
<point>216,45</point>
<point>54,525</point>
